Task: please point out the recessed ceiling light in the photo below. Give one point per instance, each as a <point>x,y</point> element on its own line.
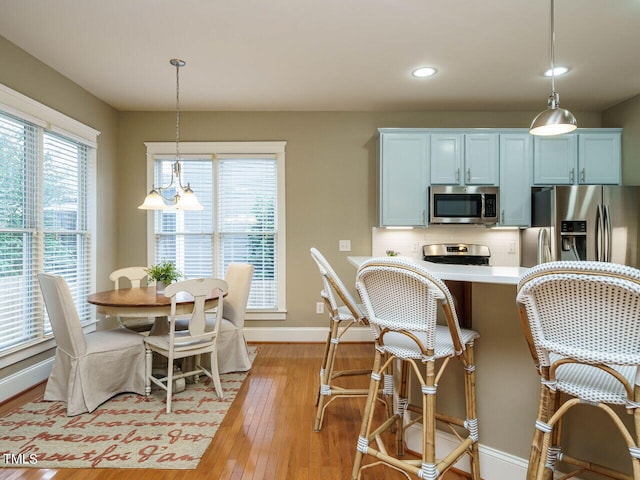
<point>557,71</point>
<point>424,72</point>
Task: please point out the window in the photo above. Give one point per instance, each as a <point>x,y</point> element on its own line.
<point>46,218</point>
<point>241,187</point>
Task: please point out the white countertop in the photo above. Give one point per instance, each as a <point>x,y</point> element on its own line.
<point>465,273</point>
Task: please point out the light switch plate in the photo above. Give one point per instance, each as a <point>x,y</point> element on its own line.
<point>344,245</point>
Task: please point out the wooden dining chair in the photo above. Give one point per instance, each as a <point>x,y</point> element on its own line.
<point>135,278</point>
<point>200,337</point>
<point>88,369</point>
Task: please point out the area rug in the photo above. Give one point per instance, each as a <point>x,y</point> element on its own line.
<point>128,431</point>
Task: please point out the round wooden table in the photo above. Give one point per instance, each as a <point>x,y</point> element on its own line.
<point>144,302</point>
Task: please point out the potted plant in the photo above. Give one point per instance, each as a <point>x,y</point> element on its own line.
<point>163,273</point>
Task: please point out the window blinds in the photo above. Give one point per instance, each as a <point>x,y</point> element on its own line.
<point>238,222</point>
<point>43,225</point>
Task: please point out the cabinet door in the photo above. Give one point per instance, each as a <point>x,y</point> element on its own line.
<point>599,158</point>
<point>446,159</point>
<point>481,159</point>
<point>516,155</point>
<point>404,167</point>
<point>555,160</point>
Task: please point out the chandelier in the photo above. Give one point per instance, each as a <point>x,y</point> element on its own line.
<point>184,198</point>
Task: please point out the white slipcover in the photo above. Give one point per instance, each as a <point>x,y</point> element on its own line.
<point>88,369</point>
<point>232,347</point>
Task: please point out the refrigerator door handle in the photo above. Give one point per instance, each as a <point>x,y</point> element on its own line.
<point>607,234</point>
<point>599,236</point>
<point>544,250</point>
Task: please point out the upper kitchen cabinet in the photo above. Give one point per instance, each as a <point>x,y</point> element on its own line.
<point>588,157</point>
<point>403,179</point>
<point>464,159</point>
<point>599,158</point>
<point>515,166</point>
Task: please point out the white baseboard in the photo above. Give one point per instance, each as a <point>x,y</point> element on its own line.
<point>25,379</point>
<point>494,464</point>
<point>303,334</point>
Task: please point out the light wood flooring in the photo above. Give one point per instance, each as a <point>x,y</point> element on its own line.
<point>268,431</point>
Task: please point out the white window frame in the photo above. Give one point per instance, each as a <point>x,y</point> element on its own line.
<point>159,149</point>
<point>25,108</point>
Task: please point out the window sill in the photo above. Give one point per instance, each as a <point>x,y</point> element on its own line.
<point>266,315</point>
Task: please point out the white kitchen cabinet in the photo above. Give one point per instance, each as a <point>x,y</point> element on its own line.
<point>516,150</point>
<point>583,158</point>
<point>403,179</point>
<point>599,158</point>
<point>555,160</point>
<point>447,150</point>
<point>464,159</point>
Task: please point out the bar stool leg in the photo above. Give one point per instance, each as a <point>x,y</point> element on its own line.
<point>367,417</point>
<point>326,373</point>
<point>471,409</point>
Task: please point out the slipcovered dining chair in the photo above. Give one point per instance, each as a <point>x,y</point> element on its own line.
<point>88,369</point>
<point>344,313</point>
<point>582,323</point>
<point>233,355</point>
<point>200,337</point>
<point>401,298</point>
<point>136,277</point>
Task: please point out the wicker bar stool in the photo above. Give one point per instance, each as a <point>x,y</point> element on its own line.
<point>341,319</point>
<point>401,298</point>
<point>582,323</point>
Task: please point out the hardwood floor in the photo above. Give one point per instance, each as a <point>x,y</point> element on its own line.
<point>268,431</point>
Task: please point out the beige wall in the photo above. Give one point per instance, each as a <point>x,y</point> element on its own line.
<point>627,115</point>
<point>330,179</point>
<point>23,73</point>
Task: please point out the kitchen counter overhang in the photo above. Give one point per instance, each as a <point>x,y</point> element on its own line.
<point>464,273</point>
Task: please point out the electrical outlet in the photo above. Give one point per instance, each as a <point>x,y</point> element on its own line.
<point>415,248</point>
<point>344,245</point>
<point>320,307</point>
<point>511,246</point>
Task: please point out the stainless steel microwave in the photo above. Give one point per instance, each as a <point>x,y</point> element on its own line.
<point>463,205</point>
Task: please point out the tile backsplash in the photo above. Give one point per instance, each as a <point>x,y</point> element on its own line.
<point>503,243</point>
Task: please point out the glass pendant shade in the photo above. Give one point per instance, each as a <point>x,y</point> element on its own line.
<point>187,200</point>
<point>153,201</point>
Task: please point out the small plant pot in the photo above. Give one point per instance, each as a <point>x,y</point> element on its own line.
<point>160,286</point>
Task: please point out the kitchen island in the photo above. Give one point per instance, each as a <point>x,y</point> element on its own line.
<point>507,385</point>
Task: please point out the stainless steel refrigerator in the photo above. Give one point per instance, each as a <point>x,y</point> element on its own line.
<point>586,222</point>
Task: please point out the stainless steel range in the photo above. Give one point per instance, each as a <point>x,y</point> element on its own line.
<point>456,253</point>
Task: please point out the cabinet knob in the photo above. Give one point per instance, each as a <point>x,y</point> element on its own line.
<point>502,216</point>
<point>582,175</point>
<point>572,175</point>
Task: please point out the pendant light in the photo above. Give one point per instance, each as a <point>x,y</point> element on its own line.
<point>184,198</point>
<point>554,120</point>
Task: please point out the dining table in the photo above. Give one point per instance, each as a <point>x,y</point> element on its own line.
<point>145,302</point>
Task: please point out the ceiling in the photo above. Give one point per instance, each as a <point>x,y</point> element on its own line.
<point>332,55</point>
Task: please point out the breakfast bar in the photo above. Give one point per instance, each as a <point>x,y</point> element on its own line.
<point>507,385</point>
